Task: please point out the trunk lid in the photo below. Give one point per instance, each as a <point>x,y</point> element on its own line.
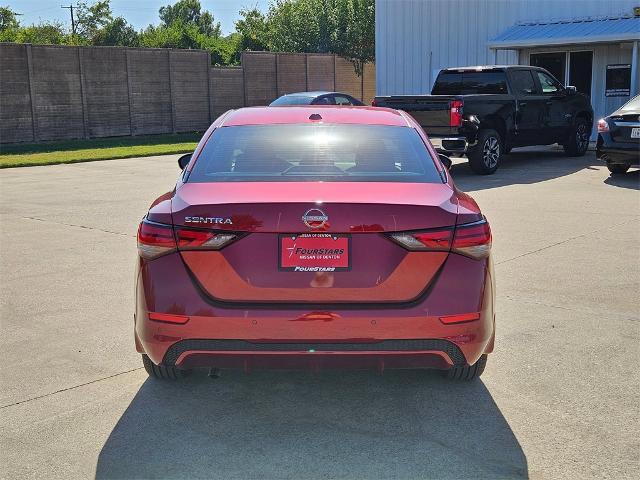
<point>355,217</point>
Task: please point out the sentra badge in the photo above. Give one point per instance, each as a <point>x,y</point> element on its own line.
<point>208,220</point>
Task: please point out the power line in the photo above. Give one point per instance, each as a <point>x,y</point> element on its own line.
<point>73,23</point>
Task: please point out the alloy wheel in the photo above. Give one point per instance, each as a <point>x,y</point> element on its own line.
<point>491,152</point>
<point>582,137</point>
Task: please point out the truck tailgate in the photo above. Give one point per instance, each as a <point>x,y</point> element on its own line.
<point>432,112</point>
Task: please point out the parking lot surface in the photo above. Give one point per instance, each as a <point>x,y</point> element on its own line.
<point>559,398</point>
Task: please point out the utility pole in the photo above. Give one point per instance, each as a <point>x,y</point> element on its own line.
<point>73,23</point>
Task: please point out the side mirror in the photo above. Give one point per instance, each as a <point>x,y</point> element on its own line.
<point>184,160</point>
<point>571,90</point>
<point>446,161</point>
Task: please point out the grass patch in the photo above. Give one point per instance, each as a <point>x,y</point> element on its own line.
<point>74,151</point>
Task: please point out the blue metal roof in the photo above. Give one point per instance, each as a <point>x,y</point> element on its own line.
<point>568,32</point>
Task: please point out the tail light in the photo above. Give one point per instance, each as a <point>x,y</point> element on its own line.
<point>425,241</point>
<point>472,240</point>
<point>156,239</point>
<point>455,113</point>
<point>603,126</point>
<point>202,239</point>
<point>374,103</point>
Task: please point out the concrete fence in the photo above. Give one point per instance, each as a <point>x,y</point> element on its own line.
<point>52,92</point>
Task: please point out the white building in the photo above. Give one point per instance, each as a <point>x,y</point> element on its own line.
<point>591,44</point>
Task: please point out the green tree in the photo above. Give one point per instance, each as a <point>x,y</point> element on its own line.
<point>43,34</point>
<point>253,30</point>
<point>187,13</point>
<point>92,18</point>
<point>354,34</point>
<point>117,32</point>
<point>344,27</point>
<point>8,19</point>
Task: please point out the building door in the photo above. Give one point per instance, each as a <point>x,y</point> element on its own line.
<point>555,63</point>
<point>580,71</point>
<point>570,68</point>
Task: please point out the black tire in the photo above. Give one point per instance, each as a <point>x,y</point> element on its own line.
<point>578,141</point>
<point>506,150</point>
<point>162,372</point>
<point>617,168</point>
<point>467,373</point>
<point>485,157</point>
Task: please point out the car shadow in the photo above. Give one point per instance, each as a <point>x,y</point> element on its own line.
<point>404,424</point>
<point>631,180</point>
<point>522,166</point>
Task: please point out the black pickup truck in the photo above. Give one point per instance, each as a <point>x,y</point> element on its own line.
<point>484,112</point>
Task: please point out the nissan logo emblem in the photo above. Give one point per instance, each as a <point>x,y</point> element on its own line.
<point>315,218</point>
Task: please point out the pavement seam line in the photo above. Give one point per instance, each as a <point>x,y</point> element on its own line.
<point>562,242</point>
<point>70,388</point>
<point>79,226</point>
<point>560,307</point>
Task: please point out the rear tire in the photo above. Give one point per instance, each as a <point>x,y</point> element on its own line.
<point>485,157</point>
<point>162,372</point>
<point>578,141</point>
<point>468,372</point>
<point>617,169</point>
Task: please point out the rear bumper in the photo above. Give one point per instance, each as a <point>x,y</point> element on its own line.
<point>279,337</point>
<point>618,153</point>
<point>450,144</point>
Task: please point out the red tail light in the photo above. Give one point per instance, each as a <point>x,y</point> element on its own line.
<point>455,114</point>
<point>425,241</point>
<point>189,239</point>
<point>374,103</point>
<point>603,126</point>
<point>472,240</point>
<point>155,239</point>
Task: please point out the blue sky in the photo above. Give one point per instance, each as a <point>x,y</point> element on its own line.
<point>140,13</point>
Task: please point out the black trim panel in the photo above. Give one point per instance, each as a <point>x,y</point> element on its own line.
<point>178,348</point>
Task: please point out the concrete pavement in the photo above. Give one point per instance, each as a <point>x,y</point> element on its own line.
<point>558,398</point>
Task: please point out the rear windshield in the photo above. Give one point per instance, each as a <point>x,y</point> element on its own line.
<point>632,105</point>
<point>469,82</point>
<point>291,100</point>
<point>315,152</point>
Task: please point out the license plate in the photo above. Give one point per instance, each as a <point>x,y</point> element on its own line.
<point>315,252</point>
<point>635,132</point>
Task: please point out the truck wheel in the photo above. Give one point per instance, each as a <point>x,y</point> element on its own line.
<point>467,373</point>
<point>578,141</point>
<point>617,168</point>
<point>485,157</point>
<point>162,372</point>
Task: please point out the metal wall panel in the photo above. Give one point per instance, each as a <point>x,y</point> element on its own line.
<point>416,38</point>
<point>15,98</point>
<point>57,92</point>
<point>151,106</point>
<point>227,89</point>
<point>320,72</point>
<point>292,73</point>
<point>190,89</point>
<point>105,91</point>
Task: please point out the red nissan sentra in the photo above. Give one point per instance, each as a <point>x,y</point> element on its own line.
<point>314,237</point>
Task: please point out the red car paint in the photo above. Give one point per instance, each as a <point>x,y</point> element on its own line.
<point>249,313</point>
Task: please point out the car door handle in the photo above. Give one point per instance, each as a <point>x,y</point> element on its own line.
<point>522,104</point>
<point>549,102</point>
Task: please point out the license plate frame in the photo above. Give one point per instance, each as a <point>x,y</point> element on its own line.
<point>301,262</point>
<point>635,132</point>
